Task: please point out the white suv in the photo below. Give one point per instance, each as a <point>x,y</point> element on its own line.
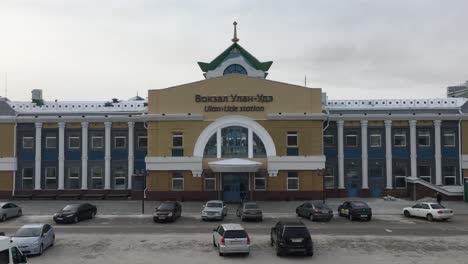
<point>231,238</point>
<point>214,210</point>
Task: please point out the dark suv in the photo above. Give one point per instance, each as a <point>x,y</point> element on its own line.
<point>290,237</point>
<point>167,211</point>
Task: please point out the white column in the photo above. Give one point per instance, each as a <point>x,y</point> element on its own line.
<point>250,143</point>
<point>37,174</point>
<point>438,152</point>
<point>413,154</point>
<point>219,143</point>
<point>61,156</point>
<point>340,124</point>
<point>84,155</point>
<point>107,156</point>
<point>364,156</point>
<point>131,155</point>
<point>388,153</point>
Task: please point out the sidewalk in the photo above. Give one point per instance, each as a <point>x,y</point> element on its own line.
<point>133,207</point>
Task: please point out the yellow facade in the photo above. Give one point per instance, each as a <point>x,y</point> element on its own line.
<point>7,140</point>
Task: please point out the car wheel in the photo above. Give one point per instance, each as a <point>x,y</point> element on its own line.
<point>311,217</point>
<point>242,219</point>
<point>41,249</point>
<point>350,216</point>
<point>260,219</point>
<point>20,213</point>
<point>271,242</point>
<point>219,251</point>
<point>53,241</point>
<point>76,219</point>
<point>93,214</point>
<point>369,218</point>
<point>4,218</point>
<point>407,213</point>
<point>429,217</point>
<point>279,251</point>
<point>214,244</point>
<point>310,252</point>
<point>247,253</point>
<point>297,212</point>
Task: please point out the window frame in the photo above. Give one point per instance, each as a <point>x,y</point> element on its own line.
<point>454,139</point>
<point>47,177</point>
<point>289,177</point>
<point>177,135</point>
<point>400,176</point>
<point>180,177</point>
<point>454,177</point>
<point>124,141</point>
<point>92,142</point>
<point>330,176</point>
<point>424,134</point>
<point>70,140</point>
<point>380,140</point>
<point>119,173</point>
<point>403,135</point>
<point>423,177</point>
<point>31,178</point>
<point>292,134</point>
<point>47,141</point>
<point>329,136</point>
<point>28,138</point>
<point>138,142</point>
<point>94,178</point>
<point>211,177</point>
<point>262,178</point>
<point>351,136</point>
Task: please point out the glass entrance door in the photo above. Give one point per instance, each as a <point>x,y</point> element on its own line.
<point>235,186</point>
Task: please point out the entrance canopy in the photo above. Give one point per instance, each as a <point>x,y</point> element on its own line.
<point>234,165</point>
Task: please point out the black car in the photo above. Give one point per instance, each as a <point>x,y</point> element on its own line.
<point>315,211</point>
<point>355,210</point>
<point>291,237</point>
<point>73,213</point>
<point>167,211</point>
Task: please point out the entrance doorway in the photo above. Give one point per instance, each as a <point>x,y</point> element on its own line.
<point>376,181</point>
<point>235,186</point>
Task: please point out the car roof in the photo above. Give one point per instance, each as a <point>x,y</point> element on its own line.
<point>291,223</point>
<point>232,227</point>
<point>215,201</point>
<point>33,226</point>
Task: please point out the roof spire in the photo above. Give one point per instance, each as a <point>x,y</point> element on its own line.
<point>235,39</point>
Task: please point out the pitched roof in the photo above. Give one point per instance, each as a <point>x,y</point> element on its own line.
<point>264,66</point>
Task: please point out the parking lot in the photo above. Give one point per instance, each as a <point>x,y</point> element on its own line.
<point>120,234</point>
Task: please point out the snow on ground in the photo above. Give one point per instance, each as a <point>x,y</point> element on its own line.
<point>197,248</point>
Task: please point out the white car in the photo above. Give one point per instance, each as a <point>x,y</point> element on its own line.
<point>9,210</point>
<point>214,209</point>
<point>430,211</point>
<point>231,238</point>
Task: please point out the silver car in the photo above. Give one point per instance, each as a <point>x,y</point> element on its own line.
<point>9,210</point>
<point>33,239</point>
<point>231,238</point>
<point>214,209</point>
<point>249,210</point>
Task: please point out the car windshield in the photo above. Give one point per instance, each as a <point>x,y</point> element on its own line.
<point>359,204</point>
<point>437,206</point>
<point>70,207</point>
<point>251,206</point>
<point>235,234</point>
<point>28,232</point>
<point>295,231</point>
<point>214,205</point>
<point>320,206</point>
<point>166,206</point>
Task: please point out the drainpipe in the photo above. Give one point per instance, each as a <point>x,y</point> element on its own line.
<point>460,156</point>
<point>13,189</point>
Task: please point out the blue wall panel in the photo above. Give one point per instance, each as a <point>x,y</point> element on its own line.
<point>73,155</point>
<point>426,153</point>
<point>352,152</point>
<point>96,155</point>
<point>119,155</point>
<point>401,153</point>
<point>330,153</point>
<point>450,152</point>
<point>376,153</point>
<point>50,154</point>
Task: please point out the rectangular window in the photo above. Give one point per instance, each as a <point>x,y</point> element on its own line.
<point>177,182</point>
<point>97,142</point>
<point>449,140</point>
<point>120,142</point>
<point>375,140</point>
<point>51,178</point>
<point>177,139</point>
<point>120,178</point>
<point>329,178</point>
<point>293,181</point>
<point>27,178</point>
<point>449,173</point>
<point>28,142</point>
<point>400,176</point>
<point>351,140</point>
<point>51,142</point>
<point>328,140</point>
<point>292,152</point>
<point>210,182</point>
<point>425,173</point>
<point>399,140</point>
<point>177,152</point>
<point>291,139</point>
<point>73,178</point>
<point>97,178</point>
<point>424,139</point>
<point>142,142</point>
<point>73,142</point>
<point>260,182</point>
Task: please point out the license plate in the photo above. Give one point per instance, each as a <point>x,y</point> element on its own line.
<point>363,215</point>
<point>59,218</point>
<point>161,217</point>
<point>236,242</point>
<point>296,240</point>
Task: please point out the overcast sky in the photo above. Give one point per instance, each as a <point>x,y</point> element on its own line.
<point>97,50</point>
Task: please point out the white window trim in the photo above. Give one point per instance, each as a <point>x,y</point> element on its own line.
<point>92,173</point>
<point>46,174</point>
<point>426,176</point>
<point>120,178</point>
<point>298,183</point>
<point>332,177</point>
<point>399,135</point>
<point>425,134</point>
<point>140,137</point>
<point>47,141</point>
<point>74,177</point>
<point>176,135</point>
<point>69,142</point>
<point>292,134</point>
<point>255,183</point>
<point>380,140</point>
<point>28,138</point>
<point>92,142</point>
<point>178,179</point>
<point>209,179</point>
<point>346,141</point>
<point>120,137</point>
<point>454,139</point>
<point>27,178</point>
<point>329,136</point>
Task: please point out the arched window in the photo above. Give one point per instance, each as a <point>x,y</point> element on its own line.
<point>235,68</point>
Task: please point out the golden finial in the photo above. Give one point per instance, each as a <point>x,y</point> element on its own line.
<point>235,39</point>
